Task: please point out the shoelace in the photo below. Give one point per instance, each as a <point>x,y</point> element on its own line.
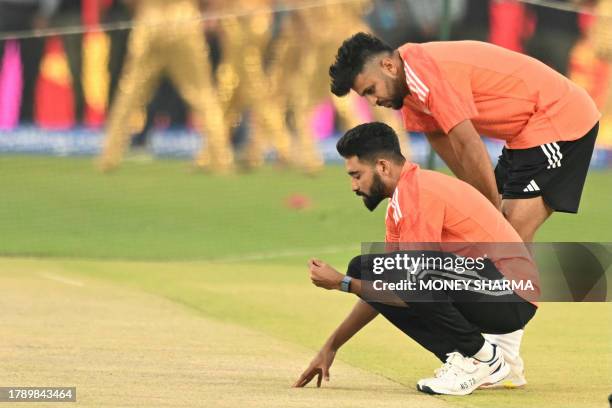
<point>439,372</point>
<point>455,364</point>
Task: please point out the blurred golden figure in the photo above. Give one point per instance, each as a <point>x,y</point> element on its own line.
<point>300,72</point>
<point>242,84</point>
<point>168,38</point>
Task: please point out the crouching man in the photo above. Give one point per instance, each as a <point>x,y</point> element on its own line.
<point>427,207</point>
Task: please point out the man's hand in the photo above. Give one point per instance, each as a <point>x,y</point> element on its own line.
<point>361,315</point>
<point>323,275</point>
<point>319,367</point>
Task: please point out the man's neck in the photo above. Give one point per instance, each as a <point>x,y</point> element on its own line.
<point>396,174</point>
<point>397,57</point>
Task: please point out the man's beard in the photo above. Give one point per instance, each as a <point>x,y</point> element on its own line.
<point>377,193</point>
<point>398,95</point>
<point>397,103</point>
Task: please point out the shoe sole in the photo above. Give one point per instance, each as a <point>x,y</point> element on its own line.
<point>426,390</point>
<point>502,385</point>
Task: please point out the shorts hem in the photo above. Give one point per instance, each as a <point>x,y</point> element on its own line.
<point>549,204</point>
<point>514,196</point>
<point>557,208</point>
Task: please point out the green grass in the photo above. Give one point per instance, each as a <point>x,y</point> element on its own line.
<point>158,227</point>
<point>162,211</point>
<point>567,346</point>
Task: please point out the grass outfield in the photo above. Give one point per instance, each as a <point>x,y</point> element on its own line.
<point>230,250</point>
<point>161,211</point>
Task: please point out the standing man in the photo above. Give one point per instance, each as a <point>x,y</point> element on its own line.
<point>298,78</point>
<point>455,91</point>
<point>426,207</point>
<point>245,33</point>
<point>168,38</point>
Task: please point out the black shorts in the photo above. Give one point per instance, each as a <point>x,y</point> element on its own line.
<point>556,171</point>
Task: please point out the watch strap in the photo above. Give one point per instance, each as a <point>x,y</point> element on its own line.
<point>345,285</point>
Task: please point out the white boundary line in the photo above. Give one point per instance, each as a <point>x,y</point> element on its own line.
<point>306,252</point>
<point>57,278</point>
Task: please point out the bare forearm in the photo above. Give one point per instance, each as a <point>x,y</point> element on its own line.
<point>476,167</point>
<point>358,318</point>
<point>325,276</point>
<point>479,174</point>
<point>441,144</point>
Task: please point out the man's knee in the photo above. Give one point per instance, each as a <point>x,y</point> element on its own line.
<point>526,215</point>
<point>354,267</point>
<point>513,211</point>
<point>515,219</point>
<point>360,267</point>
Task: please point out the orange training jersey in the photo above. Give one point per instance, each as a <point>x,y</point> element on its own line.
<point>428,206</point>
<point>507,95</point>
<point>431,207</point>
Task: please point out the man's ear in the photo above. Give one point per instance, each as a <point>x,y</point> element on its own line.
<point>384,166</point>
<point>388,66</point>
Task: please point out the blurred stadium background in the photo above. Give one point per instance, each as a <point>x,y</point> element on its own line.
<point>62,61</point>
<point>88,258</point>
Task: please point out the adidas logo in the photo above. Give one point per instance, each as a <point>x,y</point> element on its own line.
<point>532,186</point>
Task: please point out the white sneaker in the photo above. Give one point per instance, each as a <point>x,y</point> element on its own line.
<point>511,381</point>
<point>461,375</point>
<point>509,344</point>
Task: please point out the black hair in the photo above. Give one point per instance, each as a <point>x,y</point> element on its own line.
<point>370,142</point>
<point>350,59</point>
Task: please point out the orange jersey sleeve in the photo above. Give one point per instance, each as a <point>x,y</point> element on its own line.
<point>434,103</point>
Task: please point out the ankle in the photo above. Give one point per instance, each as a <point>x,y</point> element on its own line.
<point>486,353</point>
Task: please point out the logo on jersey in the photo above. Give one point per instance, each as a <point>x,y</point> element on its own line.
<point>415,84</point>
<point>394,204</point>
